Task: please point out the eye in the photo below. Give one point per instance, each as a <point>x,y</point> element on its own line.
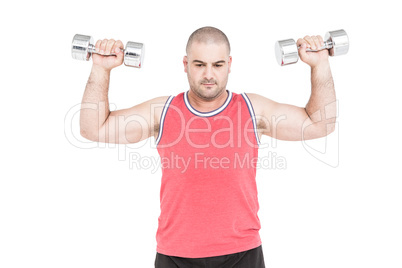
<point>218,65</point>
<point>198,65</point>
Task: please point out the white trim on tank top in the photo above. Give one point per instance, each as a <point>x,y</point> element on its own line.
<point>162,120</point>
<point>207,114</point>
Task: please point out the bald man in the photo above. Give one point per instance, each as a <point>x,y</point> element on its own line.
<point>208,139</point>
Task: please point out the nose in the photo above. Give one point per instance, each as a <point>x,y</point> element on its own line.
<point>208,73</point>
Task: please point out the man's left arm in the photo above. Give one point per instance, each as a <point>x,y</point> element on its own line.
<point>317,119</point>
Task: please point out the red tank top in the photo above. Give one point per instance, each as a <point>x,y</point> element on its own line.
<point>208,195</point>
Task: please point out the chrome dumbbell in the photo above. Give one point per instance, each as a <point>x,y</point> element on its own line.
<point>83,47</point>
<point>286,51</point>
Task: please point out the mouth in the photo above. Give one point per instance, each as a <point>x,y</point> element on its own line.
<point>208,85</point>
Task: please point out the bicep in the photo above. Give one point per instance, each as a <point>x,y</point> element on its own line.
<point>133,124</point>
<point>287,122</point>
<point>282,121</point>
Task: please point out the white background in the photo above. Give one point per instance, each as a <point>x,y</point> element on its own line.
<point>337,203</point>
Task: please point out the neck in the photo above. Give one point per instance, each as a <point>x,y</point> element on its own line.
<point>203,105</point>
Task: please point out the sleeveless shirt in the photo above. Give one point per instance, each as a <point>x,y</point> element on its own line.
<point>208,194</point>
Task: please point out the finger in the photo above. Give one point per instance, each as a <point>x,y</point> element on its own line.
<point>309,40</point>
<point>313,46</point>
<point>97,45</point>
<point>109,46</point>
<point>316,44</point>
<point>102,48</point>
<point>319,37</point>
<point>117,47</point>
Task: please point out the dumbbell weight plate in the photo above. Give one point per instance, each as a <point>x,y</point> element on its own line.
<point>286,52</point>
<point>80,47</point>
<point>134,54</point>
<point>340,42</point>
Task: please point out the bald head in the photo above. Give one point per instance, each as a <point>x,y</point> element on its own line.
<point>208,35</point>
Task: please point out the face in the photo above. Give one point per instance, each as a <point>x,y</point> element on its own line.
<point>207,66</point>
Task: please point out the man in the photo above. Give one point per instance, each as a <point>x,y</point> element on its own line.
<point>209,199</point>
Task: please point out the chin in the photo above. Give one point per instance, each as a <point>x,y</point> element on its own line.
<point>209,93</point>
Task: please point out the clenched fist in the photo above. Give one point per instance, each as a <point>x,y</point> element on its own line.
<point>110,54</point>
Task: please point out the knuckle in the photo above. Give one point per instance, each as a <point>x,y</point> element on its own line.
<point>119,43</point>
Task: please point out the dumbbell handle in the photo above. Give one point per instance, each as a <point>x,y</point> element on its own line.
<point>92,49</point>
<point>327,45</point>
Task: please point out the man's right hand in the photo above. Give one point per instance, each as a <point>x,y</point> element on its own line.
<point>107,47</point>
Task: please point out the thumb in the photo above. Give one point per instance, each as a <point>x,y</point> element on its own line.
<point>302,46</point>
<point>119,52</point>
<point>302,51</point>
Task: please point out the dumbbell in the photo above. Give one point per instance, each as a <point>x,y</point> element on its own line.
<point>286,51</point>
<point>83,47</point>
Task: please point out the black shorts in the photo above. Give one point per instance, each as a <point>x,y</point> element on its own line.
<point>252,258</point>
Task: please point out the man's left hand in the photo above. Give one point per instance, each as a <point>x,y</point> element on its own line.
<point>313,59</point>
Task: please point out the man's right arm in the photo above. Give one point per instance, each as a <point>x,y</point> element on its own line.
<point>97,122</point>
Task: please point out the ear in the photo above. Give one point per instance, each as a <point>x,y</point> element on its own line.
<point>185,63</point>
<point>230,63</point>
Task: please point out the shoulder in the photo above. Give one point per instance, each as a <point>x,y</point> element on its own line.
<point>156,107</point>
<point>159,100</point>
<point>260,103</point>
<point>158,104</point>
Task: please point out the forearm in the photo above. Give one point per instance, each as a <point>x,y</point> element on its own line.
<point>321,106</point>
<point>95,103</point>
